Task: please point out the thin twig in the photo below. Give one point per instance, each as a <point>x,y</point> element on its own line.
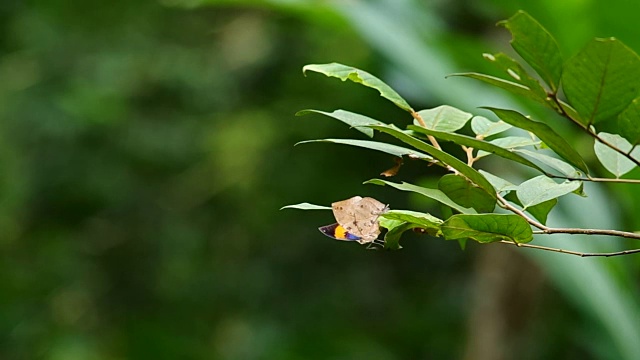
<point>594,179</point>
<point>577,253</point>
<point>420,121</point>
<point>572,231</point>
<point>505,204</point>
<point>469,152</point>
<point>586,129</point>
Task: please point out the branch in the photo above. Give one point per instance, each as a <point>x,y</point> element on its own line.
<point>589,178</point>
<point>577,253</point>
<point>585,128</point>
<point>420,121</point>
<point>573,231</point>
<point>504,204</point>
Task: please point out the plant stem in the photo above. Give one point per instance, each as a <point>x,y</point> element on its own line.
<point>577,253</point>
<point>586,129</point>
<point>420,121</point>
<point>592,179</point>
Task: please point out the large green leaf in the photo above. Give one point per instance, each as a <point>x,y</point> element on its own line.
<point>629,122</point>
<point>375,145</point>
<point>519,74</point>
<point>477,144</point>
<point>434,194</point>
<point>536,46</point>
<point>347,117</point>
<point>466,194</point>
<point>445,118</point>
<point>464,169</point>
<point>613,161</point>
<point>601,80</point>
<point>554,141</point>
<point>541,188</point>
<point>306,206</point>
<point>345,72</point>
<point>486,228</point>
<point>557,164</point>
<point>484,127</point>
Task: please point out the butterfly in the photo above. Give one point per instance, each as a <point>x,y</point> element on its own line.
<point>357,220</point>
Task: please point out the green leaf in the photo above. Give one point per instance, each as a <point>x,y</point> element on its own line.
<point>601,80</point>
<point>519,74</point>
<point>345,72</point>
<point>484,127</point>
<point>510,143</point>
<point>445,118</point>
<point>471,173</point>
<point>306,206</point>
<point>557,164</point>
<point>554,141</point>
<point>466,194</point>
<point>486,228</point>
<point>434,194</point>
<point>510,86</point>
<point>629,122</point>
<point>613,161</point>
<point>475,143</point>
<point>352,119</point>
<point>375,145</point>
<point>499,183</point>
<point>541,188</point>
<point>541,210</point>
<point>424,220</point>
<point>536,46</point>
<point>395,229</point>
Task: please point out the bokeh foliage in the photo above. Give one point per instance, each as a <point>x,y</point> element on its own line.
<point>145,148</point>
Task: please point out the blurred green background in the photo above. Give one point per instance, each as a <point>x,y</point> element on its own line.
<point>146,147</point>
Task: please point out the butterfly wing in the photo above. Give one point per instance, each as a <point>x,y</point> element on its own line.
<point>336,231</point>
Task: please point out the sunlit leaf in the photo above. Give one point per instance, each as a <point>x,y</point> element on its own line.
<point>486,228</point>
<point>613,161</point>
<point>554,141</point>
<point>434,194</point>
<point>466,194</point>
<point>374,145</point>
<point>602,79</point>
<point>557,164</point>
<point>345,72</point>
<point>510,86</point>
<point>347,117</point>
<point>306,206</point>
<point>471,173</point>
<point>536,46</point>
<point>541,188</point>
<point>519,74</point>
<point>423,219</point>
<point>445,118</point>
<point>510,143</point>
<point>629,122</point>
<point>498,183</point>
<point>490,147</point>
<point>484,127</point>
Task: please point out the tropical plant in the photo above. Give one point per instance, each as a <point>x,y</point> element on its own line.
<point>596,90</point>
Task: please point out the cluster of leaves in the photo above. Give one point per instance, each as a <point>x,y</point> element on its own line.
<point>600,86</point>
